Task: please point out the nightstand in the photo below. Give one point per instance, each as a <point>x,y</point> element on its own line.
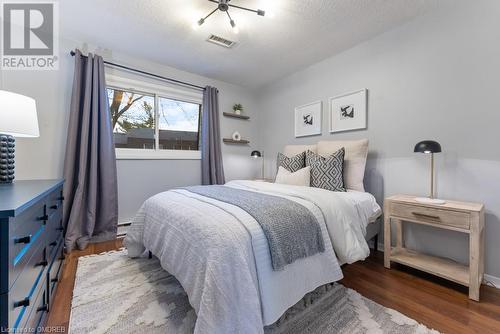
<point>455,216</point>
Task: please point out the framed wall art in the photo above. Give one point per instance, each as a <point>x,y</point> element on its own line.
<point>348,111</point>
<point>308,119</point>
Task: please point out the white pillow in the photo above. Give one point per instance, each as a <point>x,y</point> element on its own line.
<point>356,152</point>
<point>302,177</point>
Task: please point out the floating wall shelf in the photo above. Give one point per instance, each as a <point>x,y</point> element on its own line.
<point>232,141</point>
<point>230,114</point>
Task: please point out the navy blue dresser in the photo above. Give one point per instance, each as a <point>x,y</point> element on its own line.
<point>31,252</point>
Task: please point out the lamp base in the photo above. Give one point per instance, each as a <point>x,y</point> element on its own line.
<point>7,150</point>
<point>427,200</point>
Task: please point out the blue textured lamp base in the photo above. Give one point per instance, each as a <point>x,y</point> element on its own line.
<point>7,149</point>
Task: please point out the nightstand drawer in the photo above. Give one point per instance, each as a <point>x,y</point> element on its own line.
<point>431,215</point>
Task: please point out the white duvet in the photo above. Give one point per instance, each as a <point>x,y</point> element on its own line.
<point>220,255</point>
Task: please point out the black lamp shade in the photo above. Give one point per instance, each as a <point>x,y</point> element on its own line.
<point>256,154</point>
<point>427,146</point>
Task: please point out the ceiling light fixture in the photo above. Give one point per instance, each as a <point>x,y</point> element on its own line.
<point>223,6</point>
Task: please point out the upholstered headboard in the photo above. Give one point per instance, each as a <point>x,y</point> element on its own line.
<point>291,150</point>
<point>356,152</point>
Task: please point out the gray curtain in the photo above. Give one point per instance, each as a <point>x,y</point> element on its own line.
<point>212,171</point>
<point>90,190</point>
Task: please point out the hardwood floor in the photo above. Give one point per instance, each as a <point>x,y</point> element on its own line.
<point>437,303</point>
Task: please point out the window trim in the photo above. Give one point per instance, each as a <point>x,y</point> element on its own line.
<point>157,91</point>
<point>148,154</point>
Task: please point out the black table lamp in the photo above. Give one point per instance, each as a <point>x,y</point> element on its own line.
<point>258,154</point>
<point>429,147</point>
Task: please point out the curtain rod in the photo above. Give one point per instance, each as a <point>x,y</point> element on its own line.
<point>147,73</point>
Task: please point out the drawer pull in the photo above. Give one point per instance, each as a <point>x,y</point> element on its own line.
<point>25,302</point>
<point>53,243</point>
<point>23,240</point>
<point>54,207</point>
<point>43,308</point>
<point>43,263</point>
<point>423,215</point>
<point>44,217</point>
<point>54,280</point>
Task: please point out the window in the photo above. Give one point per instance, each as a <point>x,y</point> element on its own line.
<point>133,119</point>
<point>154,122</point>
<point>179,124</point>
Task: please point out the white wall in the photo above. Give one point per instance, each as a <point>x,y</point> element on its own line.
<point>43,157</point>
<point>436,77</point>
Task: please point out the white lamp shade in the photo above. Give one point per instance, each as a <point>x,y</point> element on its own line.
<point>18,115</point>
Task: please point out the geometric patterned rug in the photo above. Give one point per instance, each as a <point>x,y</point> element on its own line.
<point>116,294</point>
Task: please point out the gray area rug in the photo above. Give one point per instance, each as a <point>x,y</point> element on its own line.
<point>116,294</point>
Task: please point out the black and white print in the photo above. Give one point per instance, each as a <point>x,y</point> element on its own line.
<point>348,111</point>
<point>308,119</point>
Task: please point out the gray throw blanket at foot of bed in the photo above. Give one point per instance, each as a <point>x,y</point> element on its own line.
<point>291,229</point>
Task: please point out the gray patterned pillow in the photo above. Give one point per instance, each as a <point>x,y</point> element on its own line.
<point>327,173</point>
<point>292,164</point>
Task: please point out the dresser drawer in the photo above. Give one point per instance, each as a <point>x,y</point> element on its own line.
<point>25,232</point>
<point>38,312</point>
<point>28,234</point>
<point>54,273</point>
<point>26,287</point>
<point>431,215</point>
<point>53,245</point>
<point>54,228</point>
<point>54,202</point>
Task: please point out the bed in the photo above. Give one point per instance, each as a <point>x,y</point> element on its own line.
<point>221,256</point>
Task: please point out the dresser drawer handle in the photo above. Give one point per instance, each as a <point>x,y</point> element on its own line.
<point>24,302</point>
<point>53,243</point>
<point>23,240</point>
<point>54,207</point>
<point>43,308</point>
<point>43,263</point>
<point>44,217</point>
<point>423,215</point>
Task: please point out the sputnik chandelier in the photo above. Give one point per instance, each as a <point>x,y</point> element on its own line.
<point>223,6</point>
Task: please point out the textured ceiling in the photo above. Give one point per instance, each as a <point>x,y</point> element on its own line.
<point>301,32</point>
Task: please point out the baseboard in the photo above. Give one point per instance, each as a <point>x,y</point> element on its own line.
<point>489,280</point>
<point>123,227</point>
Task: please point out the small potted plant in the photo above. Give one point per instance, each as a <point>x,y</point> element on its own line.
<point>238,108</point>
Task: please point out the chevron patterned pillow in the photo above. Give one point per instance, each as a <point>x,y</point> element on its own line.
<point>327,173</point>
<point>292,164</point>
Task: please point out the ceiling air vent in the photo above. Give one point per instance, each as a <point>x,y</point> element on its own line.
<point>220,41</point>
